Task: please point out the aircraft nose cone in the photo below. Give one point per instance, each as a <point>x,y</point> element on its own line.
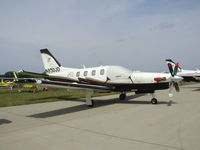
<point>177,78</point>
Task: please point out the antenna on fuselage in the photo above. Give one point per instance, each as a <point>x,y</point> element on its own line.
<point>83,66</point>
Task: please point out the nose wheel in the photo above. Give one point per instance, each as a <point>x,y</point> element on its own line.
<point>122,96</point>
<point>153,100</point>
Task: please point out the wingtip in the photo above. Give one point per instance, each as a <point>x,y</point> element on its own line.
<point>44,50</point>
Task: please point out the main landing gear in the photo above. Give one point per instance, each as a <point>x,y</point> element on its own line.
<point>122,96</point>
<point>153,100</point>
<point>88,95</point>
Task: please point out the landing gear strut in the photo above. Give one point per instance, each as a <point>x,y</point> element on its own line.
<point>154,100</point>
<point>89,102</point>
<point>122,96</point>
<point>92,104</point>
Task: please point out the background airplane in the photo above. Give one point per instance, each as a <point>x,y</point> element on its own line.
<point>188,75</point>
<point>21,84</point>
<point>105,78</point>
<point>8,82</point>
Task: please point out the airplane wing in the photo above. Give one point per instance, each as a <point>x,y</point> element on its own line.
<point>191,74</point>
<point>74,85</point>
<point>191,77</point>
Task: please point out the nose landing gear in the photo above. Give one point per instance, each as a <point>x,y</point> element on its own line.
<point>153,100</point>
<point>122,96</point>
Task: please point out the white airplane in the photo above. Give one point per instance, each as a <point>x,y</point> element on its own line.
<point>188,75</point>
<point>105,78</point>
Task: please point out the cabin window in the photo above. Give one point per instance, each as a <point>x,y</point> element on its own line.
<point>85,73</point>
<point>102,71</point>
<point>93,72</point>
<point>78,74</point>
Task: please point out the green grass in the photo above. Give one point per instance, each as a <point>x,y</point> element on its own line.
<point>14,98</point>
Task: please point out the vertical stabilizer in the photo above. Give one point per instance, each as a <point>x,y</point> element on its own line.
<point>50,63</point>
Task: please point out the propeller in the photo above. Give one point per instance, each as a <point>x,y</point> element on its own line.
<point>174,79</point>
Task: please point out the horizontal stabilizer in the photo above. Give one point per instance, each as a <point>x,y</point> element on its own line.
<point>33,74</point>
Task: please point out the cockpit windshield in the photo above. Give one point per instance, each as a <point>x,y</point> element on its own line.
<point>114,72</point>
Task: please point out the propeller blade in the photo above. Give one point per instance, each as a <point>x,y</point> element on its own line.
<point>170,89</point>
<point>176,68</point>
<point>170,69</point>
<point>176,87</point>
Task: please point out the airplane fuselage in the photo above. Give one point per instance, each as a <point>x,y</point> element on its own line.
<point>120,77</point>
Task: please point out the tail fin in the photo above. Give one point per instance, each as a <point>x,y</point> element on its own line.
<point>50,63</point>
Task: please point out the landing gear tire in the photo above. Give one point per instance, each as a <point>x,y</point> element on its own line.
<point>122,96</point>
<point>154,101</point>
<point>91,104</point>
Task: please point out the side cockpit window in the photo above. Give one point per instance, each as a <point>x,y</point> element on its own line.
<point>85,73</point>
<point>102,71</point>
<point>93,72</point>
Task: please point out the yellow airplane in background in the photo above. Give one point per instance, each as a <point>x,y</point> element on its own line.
<point>9,82</point>
<point>14,82</point>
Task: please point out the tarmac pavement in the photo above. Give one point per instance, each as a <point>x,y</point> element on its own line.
<point>172,124</point>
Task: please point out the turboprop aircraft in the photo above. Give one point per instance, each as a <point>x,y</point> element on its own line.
<point>105,78</point>
<point>188,75</point>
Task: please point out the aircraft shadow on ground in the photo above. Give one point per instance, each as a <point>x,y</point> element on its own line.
<point>196,89</point>
<point>5,121</point>
<point>55,97</point>
<point>97,103</point>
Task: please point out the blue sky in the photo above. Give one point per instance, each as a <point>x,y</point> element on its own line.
<point>137,34</point>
